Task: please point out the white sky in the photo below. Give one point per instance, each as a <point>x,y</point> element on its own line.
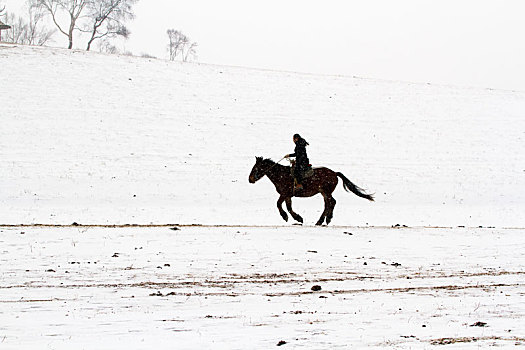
<point>458,42</point>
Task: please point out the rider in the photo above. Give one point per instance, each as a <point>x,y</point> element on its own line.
<point>301,159</point>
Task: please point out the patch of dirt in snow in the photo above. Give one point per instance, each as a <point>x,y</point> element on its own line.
<point>448,341</point>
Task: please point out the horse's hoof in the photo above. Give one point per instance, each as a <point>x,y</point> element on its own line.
<point>285,217</point>
<point>298,218</point>
<point>318,223</point>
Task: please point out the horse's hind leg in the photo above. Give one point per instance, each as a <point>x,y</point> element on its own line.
<point>331,211</point>
<point>325,211</point>
<point>280,207</point>
<point>296,216</point>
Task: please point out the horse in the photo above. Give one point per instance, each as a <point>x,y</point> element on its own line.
<point>323,181</point>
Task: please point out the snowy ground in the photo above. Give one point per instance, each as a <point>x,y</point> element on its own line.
<point>96,139</point>
<point>90,138</point>
<point>250,288</point>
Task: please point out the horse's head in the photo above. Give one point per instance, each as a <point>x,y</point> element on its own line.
<point>258,170</point>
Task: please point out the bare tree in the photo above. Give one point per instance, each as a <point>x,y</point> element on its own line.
<point>189,51</point>
<point>18,27</point>
<point>175,41</point>
<point>180,45</point>
<point>2,9</point>
<point>72,8</point>
<point>106,47</point>
<point>106,19</point>
<point>28,33</point>
<point>38,33</point>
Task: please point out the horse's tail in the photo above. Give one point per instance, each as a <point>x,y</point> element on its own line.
<point>350,187</point>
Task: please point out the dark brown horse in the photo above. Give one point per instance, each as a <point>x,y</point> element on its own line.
<point>322,181</point>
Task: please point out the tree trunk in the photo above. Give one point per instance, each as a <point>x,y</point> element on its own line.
<point>70,33</point>
<point>91,39</point>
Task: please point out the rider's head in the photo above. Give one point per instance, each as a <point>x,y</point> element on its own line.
<point>296,138</point>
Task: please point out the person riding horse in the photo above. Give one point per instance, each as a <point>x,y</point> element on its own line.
<point>301,160</point>
<point>323,181</point>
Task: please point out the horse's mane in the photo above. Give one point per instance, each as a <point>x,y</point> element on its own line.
<point>272,163</point>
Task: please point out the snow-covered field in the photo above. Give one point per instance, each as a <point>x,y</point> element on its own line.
<point>250,288</point>
<point>95,139</point>
<point>90,138</point>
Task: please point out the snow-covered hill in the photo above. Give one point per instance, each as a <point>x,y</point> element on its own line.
<point>98,139</point>
<point>92,138</point>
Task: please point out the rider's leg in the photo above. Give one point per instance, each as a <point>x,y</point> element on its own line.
<point>299,177</point>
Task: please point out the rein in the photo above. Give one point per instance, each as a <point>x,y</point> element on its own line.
<point>270,168</point>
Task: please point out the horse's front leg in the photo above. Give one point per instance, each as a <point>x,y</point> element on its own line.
<point>296,216</point>
<point>280,207</point>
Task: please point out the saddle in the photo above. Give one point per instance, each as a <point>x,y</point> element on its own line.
<point>308,172</point>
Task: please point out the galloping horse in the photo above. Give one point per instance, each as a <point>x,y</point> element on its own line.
<point>323,181</point>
